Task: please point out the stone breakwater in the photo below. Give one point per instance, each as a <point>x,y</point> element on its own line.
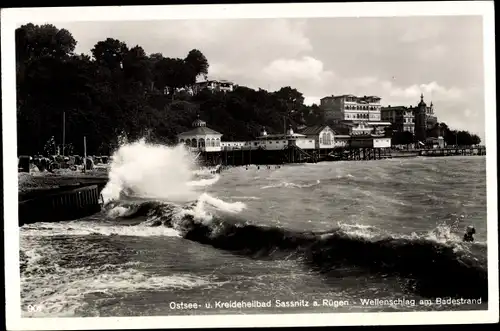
<point>30,185</point>
<point>58,197</point>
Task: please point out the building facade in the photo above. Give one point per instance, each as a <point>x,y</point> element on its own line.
<point>201,138</point>
<point>431,119</point>
<point>351,108</point>
<point>283,140</point>
<point>370,141</point>
<point>402,118</point>
<point>323,136</point>
<point>213,86</point>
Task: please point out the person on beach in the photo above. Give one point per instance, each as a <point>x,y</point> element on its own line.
<point>469,234</point>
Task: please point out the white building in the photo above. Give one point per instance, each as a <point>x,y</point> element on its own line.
<point>382,142</point>
<point>282,140</point>
<point>351,108</point>
<point>232,145</point>
<point>324,137</point>
<point>213,85</point>
<point>201,138</point>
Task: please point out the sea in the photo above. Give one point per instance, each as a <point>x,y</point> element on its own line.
<point>348,236</point>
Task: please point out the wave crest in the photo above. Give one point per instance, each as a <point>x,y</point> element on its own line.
<point>434,265</point>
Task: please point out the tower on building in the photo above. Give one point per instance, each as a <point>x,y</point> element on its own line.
<point>421,121</point>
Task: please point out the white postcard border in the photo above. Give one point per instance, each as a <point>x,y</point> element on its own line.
<point>12,18</point>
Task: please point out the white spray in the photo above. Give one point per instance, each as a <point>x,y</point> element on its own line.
<point>151,171</point>
<point>163,173</point>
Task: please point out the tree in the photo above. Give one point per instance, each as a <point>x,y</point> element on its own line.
<point>110,53</point>
<point>35,41</point>
<point>198,62</point>
<point>137,66</point>
<point>475,139</point>
<point>173,73</point>
<point>402,138</point>
<point>290,98</point>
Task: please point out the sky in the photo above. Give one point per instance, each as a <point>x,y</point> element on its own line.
<point>395,58</point>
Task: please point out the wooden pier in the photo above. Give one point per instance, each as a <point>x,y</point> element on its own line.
<point>468,151</point>
<point>290,154</point>
<point>294,154</point>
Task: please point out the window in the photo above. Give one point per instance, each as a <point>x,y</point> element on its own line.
<point>328,139</point>
<point>194,143</point>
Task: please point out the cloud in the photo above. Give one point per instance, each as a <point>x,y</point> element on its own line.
<point>310,100</point>
<point>234,42</point>
<point>290,70</point>
<point>414,91</point>
<point>364,81</point>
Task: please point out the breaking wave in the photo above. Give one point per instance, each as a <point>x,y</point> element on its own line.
<point>432,263</point>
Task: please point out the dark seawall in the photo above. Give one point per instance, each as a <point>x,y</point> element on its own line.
<point>56,198</point>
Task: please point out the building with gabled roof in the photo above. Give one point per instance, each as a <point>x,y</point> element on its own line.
<point>325,137</point>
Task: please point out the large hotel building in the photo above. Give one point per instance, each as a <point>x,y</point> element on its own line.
<point>351,108</point>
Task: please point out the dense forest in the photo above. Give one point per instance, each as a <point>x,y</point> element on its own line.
<point>122,92</point>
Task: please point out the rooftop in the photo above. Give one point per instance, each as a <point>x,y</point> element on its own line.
<point>281,136</point>
<point>351,96</point>
<point>314,130</point>
<point>397,108</point>
<point>222,81</point>
<point>199,128</point>
<point>202,130</point>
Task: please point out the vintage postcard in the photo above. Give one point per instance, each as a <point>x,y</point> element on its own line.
<point>250,165</point>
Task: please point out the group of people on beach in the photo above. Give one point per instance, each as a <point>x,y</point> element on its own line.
<point>53,162</point>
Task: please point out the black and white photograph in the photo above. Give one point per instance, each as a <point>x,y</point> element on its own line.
<point>250,165</point>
